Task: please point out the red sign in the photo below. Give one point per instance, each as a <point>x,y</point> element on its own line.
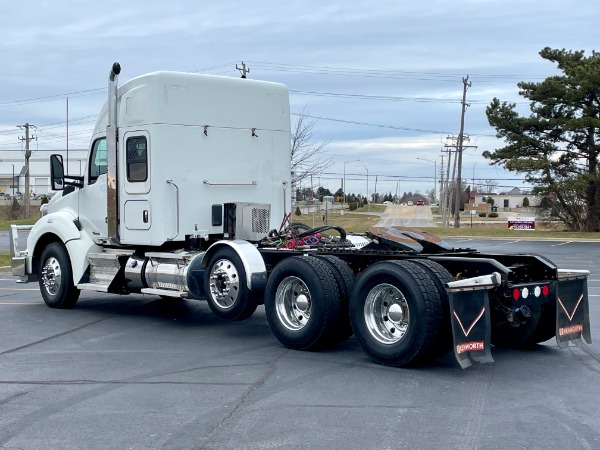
<point>521,223</point>
<point>470,347</point>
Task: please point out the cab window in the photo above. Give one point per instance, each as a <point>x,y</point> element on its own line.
<point>137,159</point>
<point>98,164</point>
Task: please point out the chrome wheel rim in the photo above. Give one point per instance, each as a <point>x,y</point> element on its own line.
<point>293,303</point>
<point>51,276</point>
<point>387,314</point>
<point>224,283</point>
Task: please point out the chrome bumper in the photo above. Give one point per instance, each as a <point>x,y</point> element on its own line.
<point>18,256</point>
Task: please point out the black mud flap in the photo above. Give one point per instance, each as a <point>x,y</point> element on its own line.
<point>470,316</point>
<point>572,310</point>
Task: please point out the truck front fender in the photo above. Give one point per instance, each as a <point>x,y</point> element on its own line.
<point>254,265</point>
<point>60,226</point>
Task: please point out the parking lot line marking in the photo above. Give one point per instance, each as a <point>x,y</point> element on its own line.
<point>19,289</point>
<point>17,303</point>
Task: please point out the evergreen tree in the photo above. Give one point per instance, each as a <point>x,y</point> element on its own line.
<point>556,147</point>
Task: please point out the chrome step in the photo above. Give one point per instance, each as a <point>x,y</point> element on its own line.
<point>93,287</point>
<point>165,292</point>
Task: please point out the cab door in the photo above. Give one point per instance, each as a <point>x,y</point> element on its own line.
<point>134,170</point>
<point>92,198</point>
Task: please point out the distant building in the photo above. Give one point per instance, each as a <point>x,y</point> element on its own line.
<point>12,170</point>
<point>505,201</point>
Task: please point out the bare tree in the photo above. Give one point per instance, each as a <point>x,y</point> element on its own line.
<point>490,185</point>
<point>308,157</point>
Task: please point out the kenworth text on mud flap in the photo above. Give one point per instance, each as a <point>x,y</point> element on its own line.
<point>186,194</point>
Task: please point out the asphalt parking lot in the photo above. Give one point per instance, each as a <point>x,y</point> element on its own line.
<point>140,372</point>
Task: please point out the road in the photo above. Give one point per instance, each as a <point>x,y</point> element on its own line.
<point>407,216</point>
<point>142,373</point>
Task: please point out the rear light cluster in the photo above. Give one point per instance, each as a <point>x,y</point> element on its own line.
<point>525,292</point>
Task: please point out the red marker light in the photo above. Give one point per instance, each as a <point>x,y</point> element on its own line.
<point>516,294</point>
<point>545,291</point>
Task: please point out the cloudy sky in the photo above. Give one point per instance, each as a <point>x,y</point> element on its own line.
<point>383,77</point>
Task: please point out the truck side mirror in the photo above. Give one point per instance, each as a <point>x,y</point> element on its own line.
<point>57,173</point>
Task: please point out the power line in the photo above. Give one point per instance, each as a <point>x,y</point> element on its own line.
<point>378,125</point>
<point>48,98</point>
<point>382,73</point>
<point>375,97</point>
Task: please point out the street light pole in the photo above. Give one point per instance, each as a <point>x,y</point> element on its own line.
<point>344,183</point>
<point>13,180</point>
<point>434,176</point>
<point>368,202</point>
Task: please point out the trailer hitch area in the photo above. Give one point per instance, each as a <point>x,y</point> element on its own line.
<point>514,317</point>
<point>470,316</point>
<point>522,314</point>
<point>572,307</point>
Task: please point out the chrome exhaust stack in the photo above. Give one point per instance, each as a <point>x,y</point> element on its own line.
<point>111,145</point>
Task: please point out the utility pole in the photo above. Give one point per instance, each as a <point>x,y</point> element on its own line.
<point>459,149</point>
<point>243,70</point>
<point>68,137</point>
<point>441,188</point>
<point>446,188</point>
<point>451,181</point>
<point>27,139</point>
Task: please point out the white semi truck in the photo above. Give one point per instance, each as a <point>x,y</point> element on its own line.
<point>186,194</point>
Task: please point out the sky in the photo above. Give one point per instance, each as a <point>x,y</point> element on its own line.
<point>383,79</point>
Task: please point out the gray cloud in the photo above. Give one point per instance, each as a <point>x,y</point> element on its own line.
<point>53,48</point>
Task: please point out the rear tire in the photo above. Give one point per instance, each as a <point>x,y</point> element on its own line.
<point>226,287</point>
<point>396,313</point>
<point>56,277</point>
<point>345,279</point>
<point>440,277</point>
<point>302,303</point>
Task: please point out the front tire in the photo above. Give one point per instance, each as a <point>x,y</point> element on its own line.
<point>226,287</point>
<point>56,278</point>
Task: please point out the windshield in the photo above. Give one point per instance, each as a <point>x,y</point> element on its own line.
<point>98,164</point>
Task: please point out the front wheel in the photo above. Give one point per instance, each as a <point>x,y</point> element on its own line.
<point>226,287</point>
<point>56,278</point>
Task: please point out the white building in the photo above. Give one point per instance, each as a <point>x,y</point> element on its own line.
<point>12,167</point>
<point>505,201</point>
